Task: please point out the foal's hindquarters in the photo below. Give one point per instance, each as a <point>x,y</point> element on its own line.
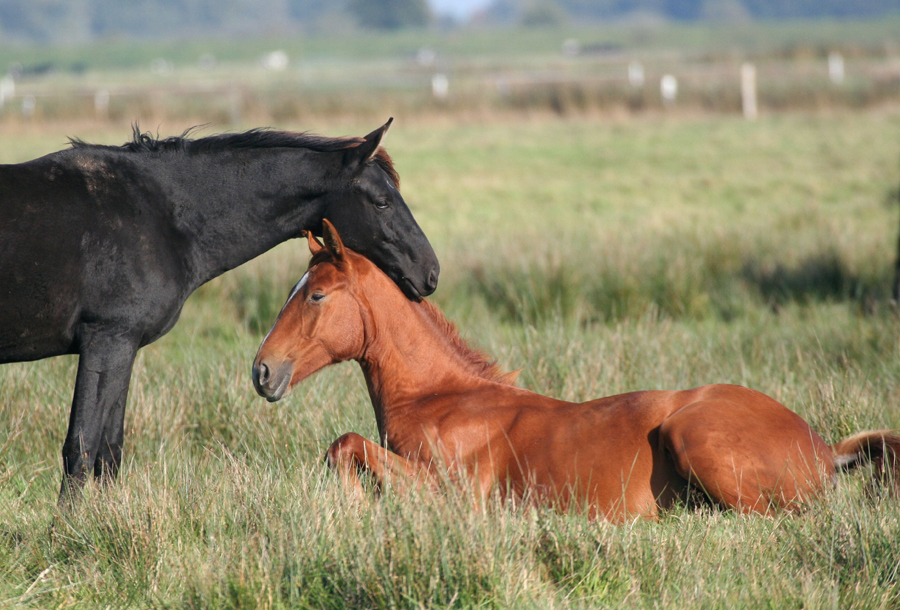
<point>746,450</point>
<point>633,454</point>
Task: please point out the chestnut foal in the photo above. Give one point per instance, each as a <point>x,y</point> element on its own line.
<point>442,408</point>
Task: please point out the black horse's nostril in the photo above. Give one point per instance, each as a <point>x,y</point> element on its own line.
<point>432,279</point>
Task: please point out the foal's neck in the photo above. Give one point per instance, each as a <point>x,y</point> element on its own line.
<point>413,353</point>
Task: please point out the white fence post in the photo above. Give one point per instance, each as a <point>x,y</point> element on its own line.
<point>668,88</point>
<point>836,67</point>
<point>101,104</point>
<point>440,86</point>
<point>748,90</point>
<point>28,105</point>
<point>636,74</point>
<point>7,89</point>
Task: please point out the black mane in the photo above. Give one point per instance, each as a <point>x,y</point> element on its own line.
<point>145,142</point>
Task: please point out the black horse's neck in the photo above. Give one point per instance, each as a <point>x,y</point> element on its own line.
<point>232,206</point>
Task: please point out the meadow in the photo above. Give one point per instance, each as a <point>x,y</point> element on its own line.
<point>600,255</point>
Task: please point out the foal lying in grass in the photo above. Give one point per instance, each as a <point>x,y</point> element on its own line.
<point>441,406</point>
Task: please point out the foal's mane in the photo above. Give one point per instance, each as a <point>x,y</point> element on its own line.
<point>258,138</point>
<point>480,363</point>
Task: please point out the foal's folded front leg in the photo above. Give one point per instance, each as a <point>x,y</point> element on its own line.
<point>352,453</point>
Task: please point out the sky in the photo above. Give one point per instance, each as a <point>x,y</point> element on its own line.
<point>459,9</point>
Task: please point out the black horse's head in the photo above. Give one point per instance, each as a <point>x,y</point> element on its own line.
<point>372,218</point>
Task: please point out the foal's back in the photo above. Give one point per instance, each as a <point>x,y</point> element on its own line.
<point>632,454</point>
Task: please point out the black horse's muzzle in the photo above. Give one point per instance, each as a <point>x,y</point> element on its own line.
<point>414,290</point>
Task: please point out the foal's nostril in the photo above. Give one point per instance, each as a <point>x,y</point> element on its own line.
<point>272,382</point>
<point>263,373</point>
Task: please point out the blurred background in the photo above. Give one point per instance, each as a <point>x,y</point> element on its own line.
<point>236,62</point>
<point>623,195</point>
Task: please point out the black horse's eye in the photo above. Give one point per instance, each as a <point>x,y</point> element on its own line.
<point>316,297</point>
<point>382,202</point>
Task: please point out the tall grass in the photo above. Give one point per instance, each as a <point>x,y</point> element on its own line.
<point>599,257</point>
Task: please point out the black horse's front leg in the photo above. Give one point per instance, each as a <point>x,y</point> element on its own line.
<point>109,452</point>
<point>96,422</point>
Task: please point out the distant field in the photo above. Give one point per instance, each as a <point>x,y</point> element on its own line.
<point>489,72</point>
<point>474,44</point>
<point>601,256</point>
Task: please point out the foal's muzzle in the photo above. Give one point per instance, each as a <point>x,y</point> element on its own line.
<point>272,382</point>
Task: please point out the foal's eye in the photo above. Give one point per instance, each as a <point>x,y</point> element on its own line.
<point>382,202</point>
<point>316,297</point>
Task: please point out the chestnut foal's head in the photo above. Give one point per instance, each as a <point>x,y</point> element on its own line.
<point>320,324</point>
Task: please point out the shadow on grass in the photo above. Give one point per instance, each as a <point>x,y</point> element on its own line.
<point>536,293</point>
<point>822,277</point>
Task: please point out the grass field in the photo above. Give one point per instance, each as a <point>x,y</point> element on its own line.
<point>599,255</point>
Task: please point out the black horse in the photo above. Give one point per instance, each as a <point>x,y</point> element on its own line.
<point>100,246</point>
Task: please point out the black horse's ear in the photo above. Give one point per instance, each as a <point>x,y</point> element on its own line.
<point>333,242</point>
<point>365,152</point>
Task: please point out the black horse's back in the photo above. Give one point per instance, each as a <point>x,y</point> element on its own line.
<point>100,246</point>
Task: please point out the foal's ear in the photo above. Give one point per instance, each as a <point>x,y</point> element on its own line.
<point>315,246</point>
<point>333,242</point>
<point>365,152</point>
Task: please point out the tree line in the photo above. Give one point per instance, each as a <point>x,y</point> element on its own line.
<point>84,20</point>
<point>700,9</point>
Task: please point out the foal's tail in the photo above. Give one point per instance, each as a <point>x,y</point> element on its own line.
<point>881,448</point>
